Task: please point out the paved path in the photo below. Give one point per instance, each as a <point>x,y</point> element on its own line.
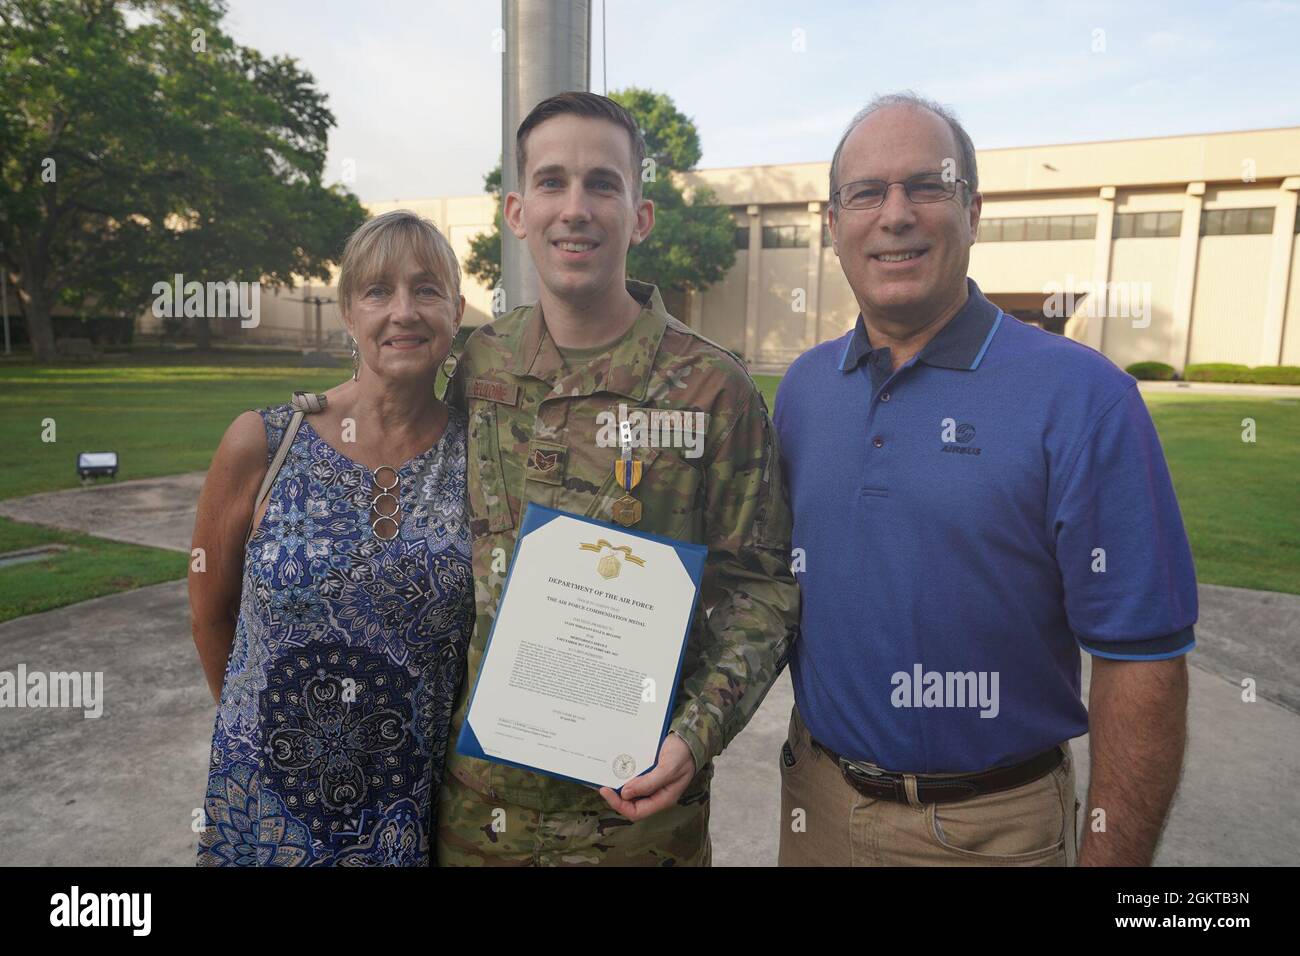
<point>123,788</point>
<point>153,511</point>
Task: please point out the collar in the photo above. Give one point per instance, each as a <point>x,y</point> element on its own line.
<point>960,344</point>
<point>625,369</point>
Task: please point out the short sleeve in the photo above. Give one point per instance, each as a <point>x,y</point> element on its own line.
<point>1126,566</point>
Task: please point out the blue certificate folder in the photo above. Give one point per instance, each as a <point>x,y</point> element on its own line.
<point>537,516</point>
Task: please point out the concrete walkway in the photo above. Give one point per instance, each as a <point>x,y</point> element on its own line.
<point>123,789</point>
<point>152,511</point>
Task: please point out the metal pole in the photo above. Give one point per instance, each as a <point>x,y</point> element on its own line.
<point>547,51</point>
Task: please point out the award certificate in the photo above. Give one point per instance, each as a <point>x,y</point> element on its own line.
<point>581,668</point>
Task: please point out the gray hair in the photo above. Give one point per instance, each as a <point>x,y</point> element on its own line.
<point>965,148</point>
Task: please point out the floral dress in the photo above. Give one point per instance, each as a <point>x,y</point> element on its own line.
<point>331,732</point>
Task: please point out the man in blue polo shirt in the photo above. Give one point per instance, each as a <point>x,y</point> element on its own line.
<point>975,500</point>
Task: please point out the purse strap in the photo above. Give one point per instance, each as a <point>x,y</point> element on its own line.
<point>304,403</point>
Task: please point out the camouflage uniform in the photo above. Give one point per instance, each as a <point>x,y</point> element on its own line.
<point>533,430</point>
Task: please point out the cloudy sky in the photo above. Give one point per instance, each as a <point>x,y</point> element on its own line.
<point>416,84</point>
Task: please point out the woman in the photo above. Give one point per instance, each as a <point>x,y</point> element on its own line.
<point>333,637</point>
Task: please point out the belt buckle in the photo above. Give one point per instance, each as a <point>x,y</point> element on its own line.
<point>873,774</point>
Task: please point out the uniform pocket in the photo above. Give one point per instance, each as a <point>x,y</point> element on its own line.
<point>489,503</point>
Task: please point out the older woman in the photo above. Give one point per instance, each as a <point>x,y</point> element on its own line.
<point>333,613</point>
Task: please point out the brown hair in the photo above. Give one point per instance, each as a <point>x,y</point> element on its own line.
<point>578,103</point>
<point>380,241</point>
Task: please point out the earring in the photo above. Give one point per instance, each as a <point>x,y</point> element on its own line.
<point>454,362</point>
<point>356,360</point>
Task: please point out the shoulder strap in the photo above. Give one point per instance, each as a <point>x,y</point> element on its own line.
<point>304,403</point>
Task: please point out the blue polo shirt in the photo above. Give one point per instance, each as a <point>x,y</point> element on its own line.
<point>962,527</point>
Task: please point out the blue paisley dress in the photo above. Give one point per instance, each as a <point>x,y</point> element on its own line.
<point>331,732</point>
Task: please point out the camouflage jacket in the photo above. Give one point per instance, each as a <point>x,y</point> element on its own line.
<point>537,433</point>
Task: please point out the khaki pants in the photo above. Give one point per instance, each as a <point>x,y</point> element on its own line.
<point>1030,825</point>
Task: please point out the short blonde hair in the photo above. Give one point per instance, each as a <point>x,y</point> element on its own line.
<point>379,242</point>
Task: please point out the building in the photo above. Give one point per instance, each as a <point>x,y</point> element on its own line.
<point>1178,249</point>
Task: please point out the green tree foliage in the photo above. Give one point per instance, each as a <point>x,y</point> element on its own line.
<point>484,260</point>
<point>137,140</point>
<point>693,242</point>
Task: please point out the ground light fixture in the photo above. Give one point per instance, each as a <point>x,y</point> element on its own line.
<point>96,464</point>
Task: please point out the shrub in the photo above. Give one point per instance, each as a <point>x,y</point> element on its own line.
<point>1217,372</point>
<point>1275,375</point>
<point>1151,371</point>
<point>1226,372</point>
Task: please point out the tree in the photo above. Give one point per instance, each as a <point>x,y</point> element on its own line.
<point>484,260</point>
<point>693,242</point>
<point>133,151</point>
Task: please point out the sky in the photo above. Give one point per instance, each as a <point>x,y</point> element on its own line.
<point>415,85</point>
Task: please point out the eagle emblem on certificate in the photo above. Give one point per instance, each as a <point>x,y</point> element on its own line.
<point>609,565</point>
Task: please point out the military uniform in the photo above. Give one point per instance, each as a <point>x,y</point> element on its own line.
<point>540,431</point>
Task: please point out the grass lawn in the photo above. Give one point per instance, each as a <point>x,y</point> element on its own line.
<point>91,567</point>
<point>1238,499</point>
<point>160,420</point>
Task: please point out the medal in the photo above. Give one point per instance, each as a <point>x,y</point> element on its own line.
<point>627,474</point>
<point>626,511</point>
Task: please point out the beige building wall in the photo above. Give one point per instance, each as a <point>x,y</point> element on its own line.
<point>839,309</point>
<point>1149,200</point>
<point>1291,337</point>
<point>1103,179</point>
<point>722,307</point>
<point>1211,298</point>
<point>1076,204</point>
<point>781,330</point>
<point>1028,267</point>
<point>1231,291</point>
<point>1150,265</point>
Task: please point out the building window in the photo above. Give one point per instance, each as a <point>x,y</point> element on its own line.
<point>1237,222</point>
<point>742,237</point>
<point>1037,228</point>
<point>1147,225</point>
<point>785,237</point>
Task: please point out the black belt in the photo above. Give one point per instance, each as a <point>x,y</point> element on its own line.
<point>948,788</point>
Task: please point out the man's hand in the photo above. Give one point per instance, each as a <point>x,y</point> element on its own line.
<point>1137,723</point>
<point>647,795</point>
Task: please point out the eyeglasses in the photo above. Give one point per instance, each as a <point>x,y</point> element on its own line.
<point>871,193</point>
